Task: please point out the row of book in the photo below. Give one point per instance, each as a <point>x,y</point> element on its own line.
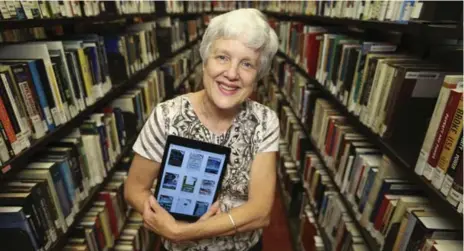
<point>69,169</point>
<point>46,84</point>
<point>380,193</point>
<point>110,223</point>
<point>198,6</point>
<point>367,178</point>
<point>441,152</point>
<point>24,34</point>
<point>404,219</point>
<point>440,158</point>
<point>103,223</point>
<point>401,11</point>
<point>21,10</point>
<point>172,33</point>
<point>178,69</point>
<point>370,79</point>
<point>338,227</point>
<point>193,83</point>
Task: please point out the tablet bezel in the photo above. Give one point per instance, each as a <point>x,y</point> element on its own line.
<point>197,145</point>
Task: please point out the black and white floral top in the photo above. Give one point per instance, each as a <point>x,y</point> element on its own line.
<point>255,129</point>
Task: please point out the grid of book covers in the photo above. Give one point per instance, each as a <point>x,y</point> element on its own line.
<point>189,180</point>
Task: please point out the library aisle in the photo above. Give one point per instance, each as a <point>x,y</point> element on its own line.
<point>276,237</point>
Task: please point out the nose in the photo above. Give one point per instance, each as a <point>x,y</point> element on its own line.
<point>232,72</point>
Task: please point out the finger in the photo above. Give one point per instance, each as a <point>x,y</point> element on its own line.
<point>212,211</point>
<point>146,207</point>
<point>153,204</point>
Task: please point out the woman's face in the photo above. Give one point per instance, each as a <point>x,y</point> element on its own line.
<point>230,72</point>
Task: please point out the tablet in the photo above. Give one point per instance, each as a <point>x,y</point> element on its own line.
<point>190,176</point>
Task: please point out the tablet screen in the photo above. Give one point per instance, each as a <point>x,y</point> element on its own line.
<point>189,180</point>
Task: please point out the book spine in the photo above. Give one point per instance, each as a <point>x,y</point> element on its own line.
<point>443,129</point>
<point>62,198</point>
<point>50,210</point>
<point>35,119</point>
<point>6,151</point>
<point>35,97</point>
<point>451,172</point>
<point>62,92</point>
<point>8,132</point>
<point>455,194</point>
<point>41,95</point>
<point>23,140</point>
<point>90,99</point>
<point>450,144</point>
<point>47,88</point>
<point>60,103</point>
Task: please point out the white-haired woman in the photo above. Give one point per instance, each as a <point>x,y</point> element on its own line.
<point>237,50</point>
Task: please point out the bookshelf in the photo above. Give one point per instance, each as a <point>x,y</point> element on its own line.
<point>59,245</point>
<point>14,165</point>
<point>370,241</point>
<point>415,28</point>
<point>402,154</point>
<point>104,18</point>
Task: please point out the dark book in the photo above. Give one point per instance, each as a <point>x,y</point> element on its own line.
<point>14,219</point>
<point>427,227</point>
<point>61,73</point>
<point>44,209</point>
<point>30,208</point>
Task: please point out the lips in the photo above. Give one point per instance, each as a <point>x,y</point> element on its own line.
<point>227,89</point>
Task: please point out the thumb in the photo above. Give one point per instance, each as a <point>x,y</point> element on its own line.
<point>155,206</point>
<point>212,211</point>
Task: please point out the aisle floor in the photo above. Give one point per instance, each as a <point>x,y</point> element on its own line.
<point>276,237</point>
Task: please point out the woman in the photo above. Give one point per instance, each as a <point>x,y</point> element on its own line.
<point>237,50</point>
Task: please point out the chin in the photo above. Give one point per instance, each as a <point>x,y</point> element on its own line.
<point>226,103</point>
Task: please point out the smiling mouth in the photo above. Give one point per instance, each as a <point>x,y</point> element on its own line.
<point>227,89</point>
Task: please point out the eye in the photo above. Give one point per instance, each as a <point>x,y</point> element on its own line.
<point>247,65</point>
<point>221,58</point>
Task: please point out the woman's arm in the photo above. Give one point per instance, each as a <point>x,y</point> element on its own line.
<point>254,214</point>
<point>142,174</point>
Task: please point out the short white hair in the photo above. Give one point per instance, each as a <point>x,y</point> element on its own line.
<point>250,27</point>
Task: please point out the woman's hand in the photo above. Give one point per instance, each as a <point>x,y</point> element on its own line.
<point>213,210</point>
<point>158,220</point>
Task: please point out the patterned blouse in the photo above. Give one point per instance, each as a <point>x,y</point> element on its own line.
<point>255,129</point>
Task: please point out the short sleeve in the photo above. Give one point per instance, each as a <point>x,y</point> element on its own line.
<point>152,138</point>
<point>270,142</point>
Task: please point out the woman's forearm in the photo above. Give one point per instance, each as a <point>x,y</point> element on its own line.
<point>136,197</point>
<point>247,217</point>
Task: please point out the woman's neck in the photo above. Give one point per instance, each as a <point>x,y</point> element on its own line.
<point>213,112</point>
